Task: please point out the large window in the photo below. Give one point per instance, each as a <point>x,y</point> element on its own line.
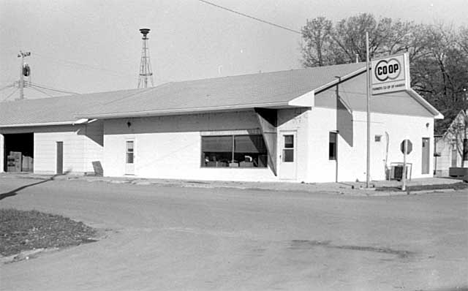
<point>245,151</point>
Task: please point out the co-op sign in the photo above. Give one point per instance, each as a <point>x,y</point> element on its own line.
<point>390,74</point>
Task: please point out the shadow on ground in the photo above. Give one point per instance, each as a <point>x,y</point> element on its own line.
<point>15,191</point>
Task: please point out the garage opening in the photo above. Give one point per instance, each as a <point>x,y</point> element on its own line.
<point>18,152</point>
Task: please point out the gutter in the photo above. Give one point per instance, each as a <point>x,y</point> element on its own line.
<point>297,102</point>
<point>76,122</point>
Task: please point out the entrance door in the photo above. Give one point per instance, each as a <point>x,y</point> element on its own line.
<point>288,155</point>
<point>129,157</point>
<point>59,167</point>
<point>425,156</point>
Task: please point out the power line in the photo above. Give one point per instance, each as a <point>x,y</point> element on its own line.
<point>41,91</point>
<point>10,95</point>
<point>251,17</point>
<point>52,89</point>
<point>6,87</point>
<point>114,73</point>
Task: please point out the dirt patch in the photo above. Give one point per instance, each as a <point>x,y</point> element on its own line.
<point>30,230</point>
<point>456,186</point>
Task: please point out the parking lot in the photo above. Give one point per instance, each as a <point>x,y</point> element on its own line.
<point>167,237</point>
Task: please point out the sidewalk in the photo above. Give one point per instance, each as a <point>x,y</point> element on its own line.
<point>376,188</point>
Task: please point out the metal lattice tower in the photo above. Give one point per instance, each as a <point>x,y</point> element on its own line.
<point>145,65</point>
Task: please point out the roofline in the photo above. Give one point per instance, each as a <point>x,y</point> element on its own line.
<point>340,79</point>
<point>75,122</point>
<point>301,101</point>
<point>425,104</point>
<point>38,124</point>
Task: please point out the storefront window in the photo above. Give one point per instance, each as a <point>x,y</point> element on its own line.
<point>244,151</point>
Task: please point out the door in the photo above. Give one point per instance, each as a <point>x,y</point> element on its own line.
<point>425,156</point>
<point>129,157</point>
<point>288,155</point>
<point>59,166</point>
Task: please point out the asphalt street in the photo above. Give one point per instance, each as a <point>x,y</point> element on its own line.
<point>160,237</point>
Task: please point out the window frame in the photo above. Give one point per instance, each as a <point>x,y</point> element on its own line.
<point>255,160</point>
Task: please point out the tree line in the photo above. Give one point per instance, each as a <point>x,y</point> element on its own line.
<point>438,54</point>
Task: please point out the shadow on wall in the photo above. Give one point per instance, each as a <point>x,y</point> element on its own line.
<point>15,191</point>
<point>344,121</point>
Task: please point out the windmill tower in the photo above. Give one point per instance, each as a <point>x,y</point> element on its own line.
<point>25,72</point>
<point>145,65</point>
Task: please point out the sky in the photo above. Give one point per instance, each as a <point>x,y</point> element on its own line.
<point>86,46</point>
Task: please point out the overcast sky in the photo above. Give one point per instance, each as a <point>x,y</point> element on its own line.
<point>95,45</point>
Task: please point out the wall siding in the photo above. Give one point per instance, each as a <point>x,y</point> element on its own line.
<point>170,147</point>
<point>82,144</point>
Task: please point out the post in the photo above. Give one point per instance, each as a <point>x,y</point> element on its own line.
<point>368,110</point>
<point>21,82</point>
<point>403,178</point>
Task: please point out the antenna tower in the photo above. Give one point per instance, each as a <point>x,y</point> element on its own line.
<point>145,65</point>
<point>24,72</point>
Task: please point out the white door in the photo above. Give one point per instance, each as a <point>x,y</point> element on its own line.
<point>129,157</point>
<point>288,155</point>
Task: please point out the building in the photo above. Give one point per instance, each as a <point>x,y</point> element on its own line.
<point>305,125</point>
<point>449,147</point>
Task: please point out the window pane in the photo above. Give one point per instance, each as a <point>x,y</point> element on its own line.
<point>288,155</point>
<point>129,153</point>
<point>332,146</point>
<point>289,141</point>
<point>249,151</point>
<point>249,144</point>
<point>217,143</point>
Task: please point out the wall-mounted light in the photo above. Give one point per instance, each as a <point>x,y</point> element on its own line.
<point>129,123</point>
<point>427,125</point>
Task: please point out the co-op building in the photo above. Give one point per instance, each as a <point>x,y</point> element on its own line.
<point>306,125</point>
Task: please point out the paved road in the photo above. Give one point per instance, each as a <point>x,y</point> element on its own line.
<point>179,238</point>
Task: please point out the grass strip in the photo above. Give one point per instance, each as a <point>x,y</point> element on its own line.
<point>456,186</point>
<point>29,230</point>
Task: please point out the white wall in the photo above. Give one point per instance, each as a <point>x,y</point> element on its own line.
<point>2,148</point>
<point>170,146</point>
<point>353,161</point>
<point>82,144</point>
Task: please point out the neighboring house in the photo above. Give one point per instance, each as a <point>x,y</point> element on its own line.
<point>305,125</point>
<point>449,147</point>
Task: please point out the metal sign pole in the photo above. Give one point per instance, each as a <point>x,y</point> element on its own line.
<point>403,178</point>
<point>368,110</point>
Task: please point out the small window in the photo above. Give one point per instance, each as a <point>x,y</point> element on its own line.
<point>288,149</point>
<point>129,155</point>
<point>332,147</point>
<point>378,138</point>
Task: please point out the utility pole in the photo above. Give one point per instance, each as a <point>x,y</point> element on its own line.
<point>22,55</point>
<point>465,128</point>
<point>368,94</point>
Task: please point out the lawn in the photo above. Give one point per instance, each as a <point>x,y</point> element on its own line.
<point>29,230</point>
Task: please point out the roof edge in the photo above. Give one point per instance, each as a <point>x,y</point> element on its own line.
<point>38,124</point>
<point>297,102</point>
<point>425,104</point>
<point>340,79</point>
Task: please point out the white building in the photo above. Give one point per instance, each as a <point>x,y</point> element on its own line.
<point>300,125</point>
<point>449,147</point>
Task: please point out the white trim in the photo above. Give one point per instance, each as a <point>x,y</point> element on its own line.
<point>306,100</point>
<point>254,131</point>
<point>38,124</point>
